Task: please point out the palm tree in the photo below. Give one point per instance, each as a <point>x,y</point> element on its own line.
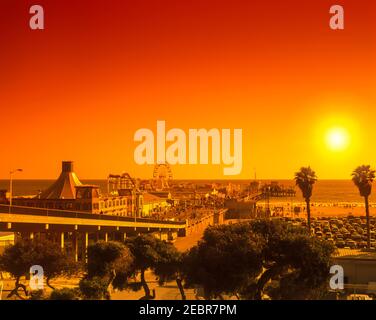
<point>363,177</point>
<point>305,178</point>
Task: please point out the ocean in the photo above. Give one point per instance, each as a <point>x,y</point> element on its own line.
<point>325,191</point>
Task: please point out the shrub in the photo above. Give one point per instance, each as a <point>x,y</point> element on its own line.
<point>65,294</point>
<point>94,288</point>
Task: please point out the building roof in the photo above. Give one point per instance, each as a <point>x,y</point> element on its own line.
<point>65,186</point>
<point>160,194</point>
<point>125,192</point>
<point>87,186</point>
<point>358,254</point>
<point>6,236</point>
<point>150,198</point>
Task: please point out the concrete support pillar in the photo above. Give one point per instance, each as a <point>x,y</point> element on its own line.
<point>75,246</point>
<point>86,239</point>
<point>86,244</point>
<point>62,240</point>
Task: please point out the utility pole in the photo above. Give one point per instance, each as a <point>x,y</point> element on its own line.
<point>11,186</point>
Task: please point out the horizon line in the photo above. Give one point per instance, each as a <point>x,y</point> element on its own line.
<point>185,179</point>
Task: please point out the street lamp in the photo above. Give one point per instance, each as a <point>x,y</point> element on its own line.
<point>268,199</point>
<point>11,186</point>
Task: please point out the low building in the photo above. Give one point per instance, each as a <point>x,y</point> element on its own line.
<point>6,239</point>
<point>68,193</point>
<point>153,204</point>
<point>359,268</point>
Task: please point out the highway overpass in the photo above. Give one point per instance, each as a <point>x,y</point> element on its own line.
<point>75,230</point>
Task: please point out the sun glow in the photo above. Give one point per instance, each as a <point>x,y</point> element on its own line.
<point>337,139</point>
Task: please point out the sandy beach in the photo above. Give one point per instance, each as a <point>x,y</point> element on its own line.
<point>318,209</point>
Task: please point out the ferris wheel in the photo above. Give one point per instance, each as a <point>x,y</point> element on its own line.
<point>162,174</point>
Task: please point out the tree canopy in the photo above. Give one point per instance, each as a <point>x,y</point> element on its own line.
<point>226,259</point>
<point>153,253</point>
<point>109,263</point>
<point>292,257</point>
<point>242,259</point>
<point>363,176</point>
<point>18,258</point>
<point>305,178</point>
<point>169,266</point>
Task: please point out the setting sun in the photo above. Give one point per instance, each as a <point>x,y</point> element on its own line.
<point>337,139</point>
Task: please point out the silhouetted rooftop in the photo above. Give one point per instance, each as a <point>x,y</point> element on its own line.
<point>64,186</point>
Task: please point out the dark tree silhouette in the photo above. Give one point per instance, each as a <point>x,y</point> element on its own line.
<point>94,288</point>
<point>65,294</point>
<point>300,263</point>
<point>226,260</point>
<point>109,263</point>
<point>144,250</point>
<point>305,178</point>
<point>18,258</point>
<point>363,177</point>
<point>169,266</point>
<point>242,259</point>
<point>55,263</point>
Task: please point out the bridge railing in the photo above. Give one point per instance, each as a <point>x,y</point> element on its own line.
<point>81,215</point>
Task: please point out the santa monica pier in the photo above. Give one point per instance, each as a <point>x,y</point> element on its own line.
<point>76,214</point>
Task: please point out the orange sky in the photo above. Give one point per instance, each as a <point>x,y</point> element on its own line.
<point>79,89</point>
